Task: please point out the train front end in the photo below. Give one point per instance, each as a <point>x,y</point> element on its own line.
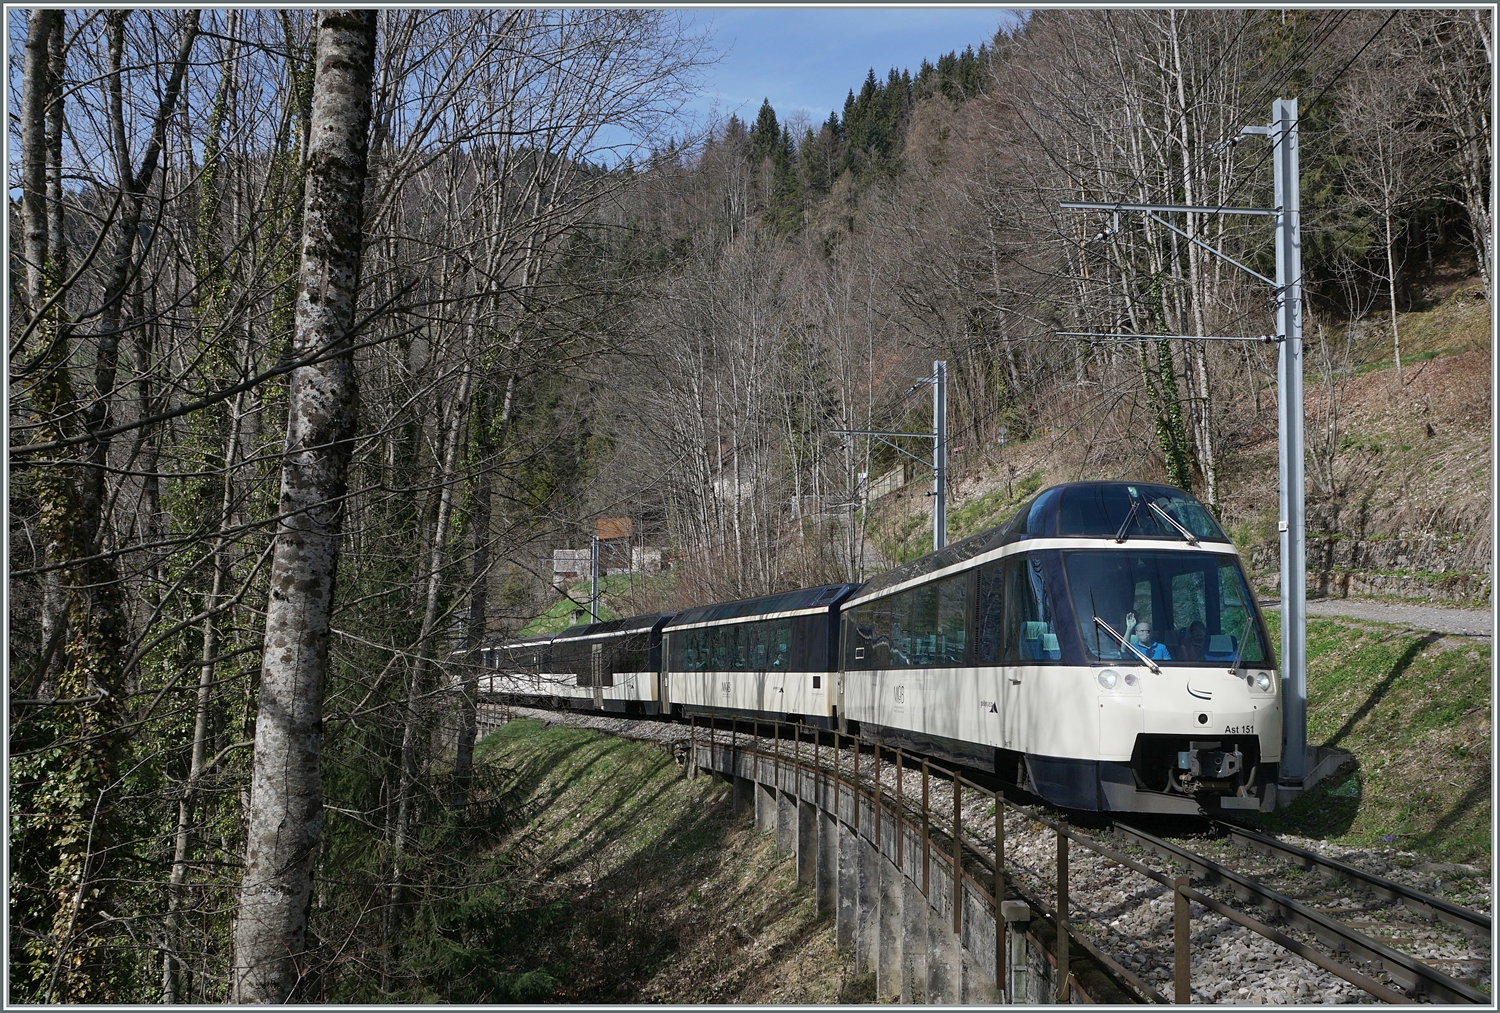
<point>1143,617</point>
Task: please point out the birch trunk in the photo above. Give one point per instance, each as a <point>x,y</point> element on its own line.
<point>36,92</point>
<point>286,794</point>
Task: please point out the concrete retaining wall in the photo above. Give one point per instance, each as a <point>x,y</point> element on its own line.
<point>870,876</point>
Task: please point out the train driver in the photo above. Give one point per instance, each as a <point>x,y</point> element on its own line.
<point>1149,647</point>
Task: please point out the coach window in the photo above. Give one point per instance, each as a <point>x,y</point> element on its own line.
<point>880,649</point>
<point>899,606</point>
<point>631,654</point>
<point>733,642</point>
<point>685,650</point>
<point>951,625</point>
<point>924,625</point>
<point>1030,627</point>
<point>779,645</point>
<point>756,642</point>
<point>720,647</point>
<point>991,615</point>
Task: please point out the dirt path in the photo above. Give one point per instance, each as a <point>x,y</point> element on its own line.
<point>1462,622</point>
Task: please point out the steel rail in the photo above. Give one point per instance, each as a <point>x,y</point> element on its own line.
<point>1340,970</point>
<point>1409,972</point>
<point>1467,921</point>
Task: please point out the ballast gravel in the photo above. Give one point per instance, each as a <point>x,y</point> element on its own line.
<point>1129,916</point>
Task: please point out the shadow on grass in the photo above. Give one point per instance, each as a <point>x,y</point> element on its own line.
<point>1327,809</point>
<point>1378,693</point>
<point>1441,831</point>
<point>604,939</point>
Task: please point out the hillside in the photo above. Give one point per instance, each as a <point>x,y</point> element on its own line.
<point>624,882</point>
<point>1405,513</point>
<point>1419,788</point>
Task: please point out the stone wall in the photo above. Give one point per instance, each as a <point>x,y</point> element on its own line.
<point>1420,567</point>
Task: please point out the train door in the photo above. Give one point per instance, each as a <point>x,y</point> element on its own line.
<point>596,672</point>
<point>1039,711</point>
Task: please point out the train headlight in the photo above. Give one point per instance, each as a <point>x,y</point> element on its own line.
<point>1263,681</point>
<point>1108,678</point>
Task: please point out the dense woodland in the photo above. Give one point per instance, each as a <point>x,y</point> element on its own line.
<point>516,320</point>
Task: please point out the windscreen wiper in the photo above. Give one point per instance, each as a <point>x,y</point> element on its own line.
<point>1120,535</point>
<point>1191,538</point>
<point>1138,652</point>
<point>1234,666</point>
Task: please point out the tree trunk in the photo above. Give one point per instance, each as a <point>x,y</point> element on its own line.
<point>475,626</point>
<point>1390,274</point>
<point>36,93</point>
<point>417,687</point>
<point>286,795</point>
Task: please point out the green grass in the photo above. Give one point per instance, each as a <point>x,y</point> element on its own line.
<point>903,532</point>
<point>560,616</point>
<point>992,509</point>
<point>1414,711</point>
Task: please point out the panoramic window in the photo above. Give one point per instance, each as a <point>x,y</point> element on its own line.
<point>1175,607</point>
<point>633,653</point>
<point>991,614</point>
<point>952,624</point>
<point>779,645</point>
<point>1111,511</point>
<point>1030,627</point>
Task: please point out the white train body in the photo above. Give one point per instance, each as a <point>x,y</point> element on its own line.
<point>1102,649</point>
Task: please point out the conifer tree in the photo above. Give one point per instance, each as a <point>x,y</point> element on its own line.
<point>765,135</point>
<point>784,213</point>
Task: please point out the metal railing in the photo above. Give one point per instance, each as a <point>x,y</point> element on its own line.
<point>970,862</point>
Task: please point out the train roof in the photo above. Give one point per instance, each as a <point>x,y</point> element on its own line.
<point>803,600</point>
<point>532,641</point>
<point>630,624</point>
<point>1076,510</point>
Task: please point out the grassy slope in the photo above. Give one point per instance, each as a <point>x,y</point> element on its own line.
<point>644,888</point>
<point>560,615</point>
<point>1414,710</point>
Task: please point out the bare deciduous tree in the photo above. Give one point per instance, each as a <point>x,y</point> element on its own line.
<point>286,793</point>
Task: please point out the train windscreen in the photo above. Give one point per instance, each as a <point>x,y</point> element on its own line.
<point>1173,607</point>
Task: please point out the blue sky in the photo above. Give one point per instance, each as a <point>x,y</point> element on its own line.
<point>806,60</point>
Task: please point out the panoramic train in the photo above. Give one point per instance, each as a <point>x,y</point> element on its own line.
<point>1102,649</point>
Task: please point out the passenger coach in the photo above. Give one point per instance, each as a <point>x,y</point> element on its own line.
<point>609,666</point>
<point>774,656</point>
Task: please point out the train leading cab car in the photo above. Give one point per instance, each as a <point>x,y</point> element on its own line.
<point>1102,648</point>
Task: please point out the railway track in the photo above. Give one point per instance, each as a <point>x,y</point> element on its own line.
<point>1120,906</point>
<point>1469,922</point>
<point>1413,974</point>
